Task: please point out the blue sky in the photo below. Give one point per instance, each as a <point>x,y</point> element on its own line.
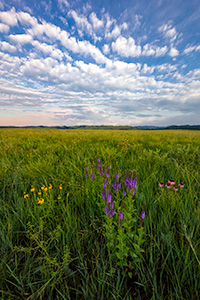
<point>99,62</point>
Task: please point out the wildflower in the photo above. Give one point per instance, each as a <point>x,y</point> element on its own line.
<point>171,181</point>
<point>25,195</point>
<point>176,188</point>
<point>124,193</point>
<point>120,215</point>
<point>40,201</point>
<point>59,197</point>
<point>103,195</point>
<point>112,205</point>
<point>142,214</point>
<point>107,175</point>
<point>39,193</point>
<point>42,188</point>
<point>45,189</point>
<point>181,185</point>
<point>109,196</point>
<point>117,175</point>
<point>104,185</point>
<point>98,160</point>
<point>50,186</point>
<point>32,189</point>
<point>107,210</point>
<point>86,169</point>
<point>85,175</point>
<point>109,167</point>
<point>161,184</point>
<point>93,176</point>
<point>60,187</point>
<point>111,213</point>
<point>168,186</point>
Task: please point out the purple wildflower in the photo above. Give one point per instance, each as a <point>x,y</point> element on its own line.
<point>99,160</point>
<point>93,176</point>
<point>86,168</point>
<point>109,167</point>
<point>124,193</point>
<point>109,196</point>
<point>115,186</point>
<point>142,214</point>
<point>103,195</point>
<point>161,184</point>
<point>104,185</point>
<point>85,175</point>
<point>107,210</point>
<point>111,213</point>
<point>176,188</point>
<point>112,205</point>
<point>107,175</point>
<point>117,175</point>
<point>120,215</point>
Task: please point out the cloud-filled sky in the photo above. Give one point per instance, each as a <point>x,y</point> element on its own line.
<point>130,62</point>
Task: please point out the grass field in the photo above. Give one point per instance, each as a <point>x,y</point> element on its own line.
<point>58,239</point>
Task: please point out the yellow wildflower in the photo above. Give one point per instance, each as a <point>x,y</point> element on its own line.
<point>40,201</point>
<point>32,189</point>
<point>50,186</point>
<point>60,187</point>
<point>59,197</point>
<point>43,187</point>
<point>25,195</point>
<point>39,193</point>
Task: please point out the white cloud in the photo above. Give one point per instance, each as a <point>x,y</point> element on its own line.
<point>63,4</point>
<point>126,47</point>
<point>48,50</point>
<point>106,49</point>
<point>191,48</point>
<point>173,52</point>
<point>9,17</point>
<point>20,38</point>
<point>7,47</point>
<point>153,50</point>
<point>4,28</point>
<point>96,23</point>
<point>116,31</point>
<point>168,31</point>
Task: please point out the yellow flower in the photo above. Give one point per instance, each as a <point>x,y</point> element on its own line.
<point>25,195</point>
<point>42,188</point>
<point>39,193</point>
<point>32,189</point>
<point>59,197</point>
<point>60,187</point>
<point>45,189</point>
<point>50,186</point>
<point>40,201</point>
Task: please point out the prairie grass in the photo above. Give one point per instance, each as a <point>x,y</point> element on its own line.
<point>55,248</point>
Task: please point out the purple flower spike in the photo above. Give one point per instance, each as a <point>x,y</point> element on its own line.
<point>85,175</point>
<point>93,176</point>
<point>124,193</point>
<point>104,185</point>
<point>120,215</point>
<point>112,205</point>
<point>103,195</point>
<point>112,213</point>
<point>109,167</point>
<point>107,175</point>
<point>108,196</point>
<point>107,210</point>
<point>142,214</point>
<point>117,175</point>
<point>86,168</point>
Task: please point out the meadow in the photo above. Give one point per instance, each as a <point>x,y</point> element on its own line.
<point>88,214</point>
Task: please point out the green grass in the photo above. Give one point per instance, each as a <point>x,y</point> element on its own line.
<point>57,250</point>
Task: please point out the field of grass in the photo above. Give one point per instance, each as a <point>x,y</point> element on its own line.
<point>57,241</point>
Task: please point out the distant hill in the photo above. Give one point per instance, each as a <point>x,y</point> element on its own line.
<point>111,127</point>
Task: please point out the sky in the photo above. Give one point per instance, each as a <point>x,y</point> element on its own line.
<point>105,62</point>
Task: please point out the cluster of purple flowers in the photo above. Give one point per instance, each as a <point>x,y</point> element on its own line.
<point>171,184</point>
<point>117,185</point>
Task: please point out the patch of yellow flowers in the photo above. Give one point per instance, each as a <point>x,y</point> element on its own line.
<point>43,188</point>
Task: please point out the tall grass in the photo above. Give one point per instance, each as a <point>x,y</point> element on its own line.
<point>57,250</point>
